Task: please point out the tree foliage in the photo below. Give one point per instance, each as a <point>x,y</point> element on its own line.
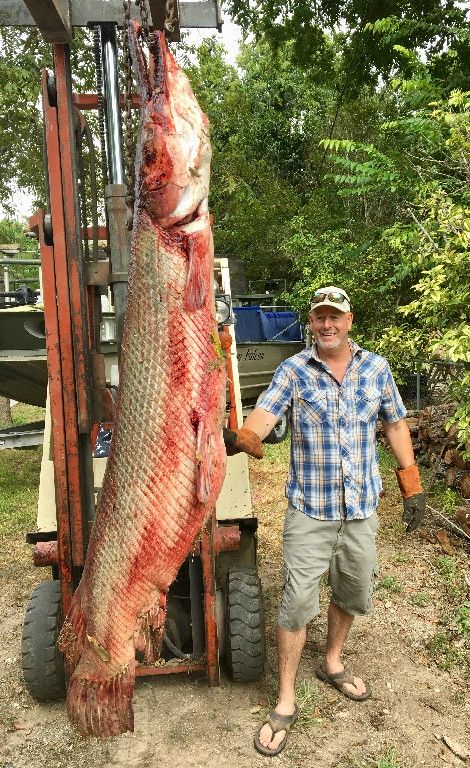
<point>340,154</point>
<point>23,54</point>
<point>367,33</point>
<point>433,234</point>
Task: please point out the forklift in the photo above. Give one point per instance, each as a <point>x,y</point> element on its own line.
<point>215,609</point>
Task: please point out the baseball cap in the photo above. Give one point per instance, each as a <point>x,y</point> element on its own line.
<point>331,296</point>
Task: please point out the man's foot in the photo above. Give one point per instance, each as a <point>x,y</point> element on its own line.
<point>350,686</point>
<point>271,736</point>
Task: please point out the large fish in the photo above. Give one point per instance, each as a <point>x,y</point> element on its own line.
<point>167,459</point>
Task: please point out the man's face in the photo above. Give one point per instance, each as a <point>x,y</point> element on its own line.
<point>330,327</point>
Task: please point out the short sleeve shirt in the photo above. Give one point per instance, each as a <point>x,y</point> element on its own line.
<point>334,469</point>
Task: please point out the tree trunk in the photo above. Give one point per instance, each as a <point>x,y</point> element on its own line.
<point>5,411</point>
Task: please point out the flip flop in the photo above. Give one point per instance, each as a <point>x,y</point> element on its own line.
<point>338,679</point>
<point>277,723</point>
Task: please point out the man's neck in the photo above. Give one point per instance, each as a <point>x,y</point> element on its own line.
<point>337,356</point>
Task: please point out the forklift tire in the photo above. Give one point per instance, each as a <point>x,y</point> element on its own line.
<point>245,642</point>
<point>43,663</point>
<point>279,432</point>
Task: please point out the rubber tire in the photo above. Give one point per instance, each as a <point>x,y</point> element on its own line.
<point>43,663</point>
<point>245,641</point>
<point>278,433</point>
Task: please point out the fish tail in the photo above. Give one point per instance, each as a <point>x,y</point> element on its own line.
<point>102,707</point>
<point>72,636</point>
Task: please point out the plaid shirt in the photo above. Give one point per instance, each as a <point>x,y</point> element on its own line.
<point>334,470</point>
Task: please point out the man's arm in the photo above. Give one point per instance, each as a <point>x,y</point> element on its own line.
<point>258,424</point>
<point>414,500</point>
<point>399,438</point>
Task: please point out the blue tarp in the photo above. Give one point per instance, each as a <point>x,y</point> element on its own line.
<point>254,324</point>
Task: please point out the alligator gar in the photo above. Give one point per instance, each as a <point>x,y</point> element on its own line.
<point>167,458</point>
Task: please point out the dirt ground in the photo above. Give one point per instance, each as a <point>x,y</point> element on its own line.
<point>180,722</point>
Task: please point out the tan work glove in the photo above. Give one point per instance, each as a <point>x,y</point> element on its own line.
<point>243,440</point>
<point>414,500</point>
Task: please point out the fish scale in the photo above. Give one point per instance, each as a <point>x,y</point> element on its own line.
<point>167,459</point>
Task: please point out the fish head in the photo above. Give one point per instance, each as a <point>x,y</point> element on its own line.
<point>174,151</point>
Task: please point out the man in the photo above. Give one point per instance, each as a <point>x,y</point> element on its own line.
<point>336,391</point>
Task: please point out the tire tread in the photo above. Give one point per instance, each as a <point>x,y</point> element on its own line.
<point>245,624</point>
<point>42,663</point>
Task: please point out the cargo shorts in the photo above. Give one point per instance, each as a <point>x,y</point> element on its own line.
<point>343,548</point>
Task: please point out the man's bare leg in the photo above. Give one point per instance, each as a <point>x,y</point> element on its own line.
<point>339,624</point>
<point>289,649</point>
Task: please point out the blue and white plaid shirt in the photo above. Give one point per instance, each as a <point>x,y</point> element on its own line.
<point>334,470</point>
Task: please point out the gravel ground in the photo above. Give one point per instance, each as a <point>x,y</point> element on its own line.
<point>419,715</point>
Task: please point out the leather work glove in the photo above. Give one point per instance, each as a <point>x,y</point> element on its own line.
<point>243,440</point>
<point>414,500</point>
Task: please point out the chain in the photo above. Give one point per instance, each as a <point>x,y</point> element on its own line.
<point>129,148</point>
<point>170,20</point>
<point>144,15</point>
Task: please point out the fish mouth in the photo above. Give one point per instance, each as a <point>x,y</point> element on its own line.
<point>173,160</point>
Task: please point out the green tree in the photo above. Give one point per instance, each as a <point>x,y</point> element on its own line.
<point>428,162</point>
<point>366,31</point>
<point>23,54</point>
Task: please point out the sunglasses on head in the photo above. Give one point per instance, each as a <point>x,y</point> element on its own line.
<point>337,297</point>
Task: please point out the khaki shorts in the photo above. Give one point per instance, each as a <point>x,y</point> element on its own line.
<point>344,548</point>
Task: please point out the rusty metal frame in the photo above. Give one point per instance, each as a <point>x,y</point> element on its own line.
<point>208,577</point>
<point>64,374</point>
<point>54,362</point>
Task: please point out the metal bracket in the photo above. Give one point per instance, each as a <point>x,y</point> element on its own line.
<point>55,26</point>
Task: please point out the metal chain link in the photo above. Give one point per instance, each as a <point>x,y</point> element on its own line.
<point>170,20</point>
<point>169,26</point>
<point>129,147</point>
<point>142,5</point>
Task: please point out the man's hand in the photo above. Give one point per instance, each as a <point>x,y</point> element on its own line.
<point>414,500</point>
<point>413,511</point>
<point>243,440</point>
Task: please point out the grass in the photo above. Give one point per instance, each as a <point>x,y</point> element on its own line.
<point>387,586</point>
<point>278,453</point>
<point>21,413</point>
<point>450,647</point>
<point>421,599</point>
<point>389,760</point>
<point>19,478</point>
<point>400,557</point>
<point>308,701</point>
<point>450,575</point>
<point>19,487</point>
<point>390,583</point>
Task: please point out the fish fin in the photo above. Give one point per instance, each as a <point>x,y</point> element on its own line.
<point>205,458</point>
<point>198,281</point>
<point>148,634</point>
<point>73,634</point>
<point>102,707</point>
